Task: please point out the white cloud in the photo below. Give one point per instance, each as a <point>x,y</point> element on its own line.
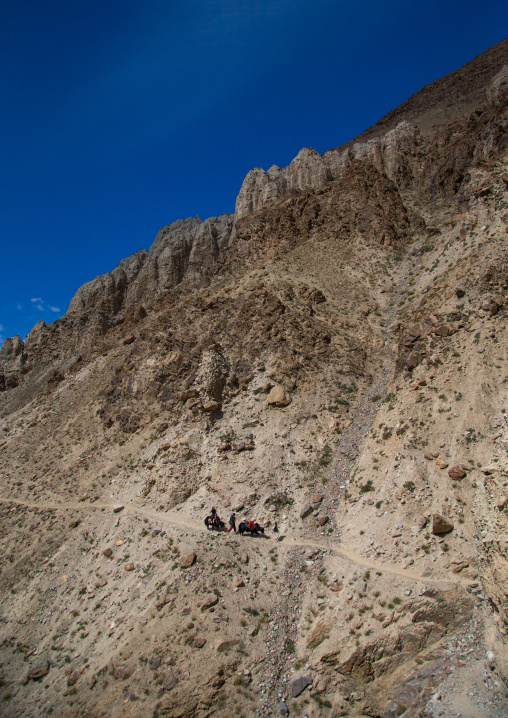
<point>39,307</point>
<point>36,299</point>
<point>55,309</point>
<point>19,307</point>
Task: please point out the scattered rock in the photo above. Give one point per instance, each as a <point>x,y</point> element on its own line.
<point>199,642</point>
<point>441,464</point>
<point>73,679</point>
<point>74,524</point>
<point>108,552</point>
<point>307,509</point>
<point>278,397</point>
<point>413,360</point>
<point>322,520</point>
<point>242,446</point>
<point>283,707</point>
<point>320,633</point>
<point>188,394</point>
<point>228,645</point>
<point>298,685</point>
<point>117,508</point>
<point>188,560</point>
<point>130,566</point>
<point>456,473</point>
<point>210,601</point>
<point>211,406</point>
<point>160,604</point>
<point>415,332</point>
<point>421,522</point>
<point>169,681</point>
<point>244,381</point>
<point>441,525</point>
<point>444,330</point>
<point>39,671</point>
<point>491,469</point>
<point>501,503</point>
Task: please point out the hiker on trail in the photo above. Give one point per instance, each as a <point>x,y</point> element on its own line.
<point>213,512</point>
<point>275,529</point>
<point>232,522</point>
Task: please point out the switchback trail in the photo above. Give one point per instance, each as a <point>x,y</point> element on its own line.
<point>290,541</point>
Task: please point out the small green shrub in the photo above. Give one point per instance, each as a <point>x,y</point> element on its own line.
<point>368,486</point>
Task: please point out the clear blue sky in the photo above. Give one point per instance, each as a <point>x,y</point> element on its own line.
<point>119,117</point>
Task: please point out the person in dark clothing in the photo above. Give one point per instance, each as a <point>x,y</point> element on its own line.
<point>232,523</point>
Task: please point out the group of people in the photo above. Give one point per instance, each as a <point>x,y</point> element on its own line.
<point>213,521</point>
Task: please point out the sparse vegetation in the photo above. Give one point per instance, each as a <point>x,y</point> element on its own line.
<point>366,487</point>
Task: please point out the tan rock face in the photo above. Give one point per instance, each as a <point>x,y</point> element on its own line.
<point>310,170</point>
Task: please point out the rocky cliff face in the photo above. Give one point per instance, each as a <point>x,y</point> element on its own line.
<point>188,249</point>
<point>331,359</point>
<point>193,249</point>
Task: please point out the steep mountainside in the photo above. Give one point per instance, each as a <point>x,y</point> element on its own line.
<point>332,359</point>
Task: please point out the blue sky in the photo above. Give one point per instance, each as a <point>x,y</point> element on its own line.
<point>120,117</point>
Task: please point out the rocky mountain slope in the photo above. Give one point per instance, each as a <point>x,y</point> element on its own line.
<point>333,359</point>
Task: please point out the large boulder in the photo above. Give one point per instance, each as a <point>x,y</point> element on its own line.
<point>278,397</point>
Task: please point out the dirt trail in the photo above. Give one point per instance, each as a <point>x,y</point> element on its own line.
<point>289,540</point>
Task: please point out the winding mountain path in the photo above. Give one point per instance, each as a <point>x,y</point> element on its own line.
<point>175,519</point>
